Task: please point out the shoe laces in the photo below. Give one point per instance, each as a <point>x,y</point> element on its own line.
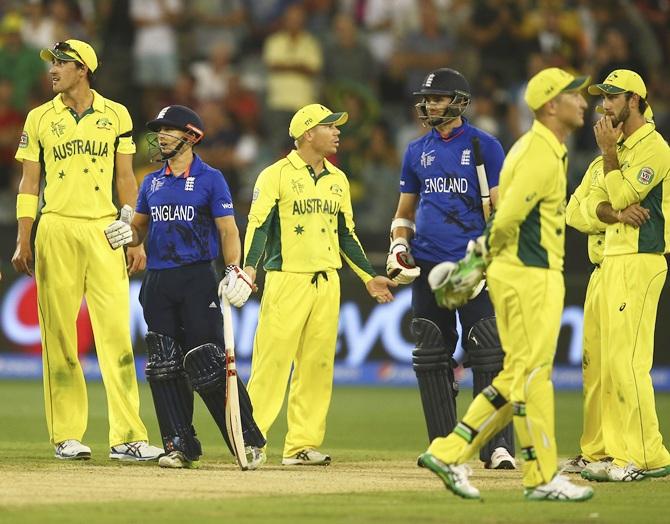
<point>461,473</point>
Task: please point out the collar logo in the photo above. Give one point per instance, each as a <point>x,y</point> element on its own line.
<point>57,129</point>
<point>428,158</point>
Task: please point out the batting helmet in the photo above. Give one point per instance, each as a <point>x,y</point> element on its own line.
<point>448,83</point>
<point>174,117</point>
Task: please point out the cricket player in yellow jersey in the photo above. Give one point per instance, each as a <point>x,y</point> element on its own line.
<point>592,445</point>
<point>301,219</point>
<point>525,279</point>
<point>84,142</point>
<point>636,172</point>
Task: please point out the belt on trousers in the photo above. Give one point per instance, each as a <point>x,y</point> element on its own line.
<point>315,277</point>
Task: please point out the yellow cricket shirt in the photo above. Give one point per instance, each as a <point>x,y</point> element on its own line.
<point>77,154</point>
<point>302,222</point>
<point>528,228</point>
<point>577,217</point>
<point>644,178</point>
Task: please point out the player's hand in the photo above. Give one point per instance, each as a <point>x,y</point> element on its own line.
<point>478,247</point>
<point>378,288</point>
<point>136,259</point>
<point>119,233</point>
<point>634,215</point>
<point>236,286</point>
<point>606,134</point>
<point>400,265</point>
<point>23,259</point>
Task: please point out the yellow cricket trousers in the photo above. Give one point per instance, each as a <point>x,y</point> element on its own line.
<point>632,286</point>
<point>591,443</point>
<point>297,326</point>
<point>73,260</point>
<point>528,302</point>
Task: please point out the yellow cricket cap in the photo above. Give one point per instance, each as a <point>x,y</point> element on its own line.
<point>311,116</point>
<point>72,51</point>
<point>622,81</point>
<point>549,83</point>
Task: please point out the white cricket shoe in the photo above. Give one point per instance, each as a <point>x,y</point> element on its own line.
<point>256,457</point>
<point>307,457</point>
<point>138,451</point>
<point>597,471</point>
<point>561,489</point>
<point>177,460</point>
<point>575,465</point>
<point>72,449</point>
<point>628,473</point>
<point>501,459</point>
<point>455,477</point>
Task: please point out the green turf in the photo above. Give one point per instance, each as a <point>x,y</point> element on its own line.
<point>364,424</point>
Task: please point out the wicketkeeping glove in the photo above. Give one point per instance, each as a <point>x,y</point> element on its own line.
<point>400,265</point>
<point>119,232</point>
<point>455,283</point>
<point>236,286</point>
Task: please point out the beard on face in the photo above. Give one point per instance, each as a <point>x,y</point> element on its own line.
<point>621,117</point>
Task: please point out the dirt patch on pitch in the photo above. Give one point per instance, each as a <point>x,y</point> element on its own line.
<point>87,482</point>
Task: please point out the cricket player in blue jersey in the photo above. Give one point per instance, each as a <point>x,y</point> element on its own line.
<point>185,211</point>
<point>441,208</point>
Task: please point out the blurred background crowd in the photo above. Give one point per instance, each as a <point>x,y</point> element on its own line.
<point>247,65</point>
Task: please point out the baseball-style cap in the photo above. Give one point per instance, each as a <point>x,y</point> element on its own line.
<point>311,116</point>
<point>178,117</point>
<point>549,83</point>
<point>72,51</point>
<point>620,81</point>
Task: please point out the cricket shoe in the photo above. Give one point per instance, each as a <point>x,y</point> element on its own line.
<point>177,460</point>
<point>307,457</point>
<point>628,473</point>
<point>256,457</point>
<point>72,449</point>
<point>657,472</point>
<point>560,489</point>
<point>575,465</point>
<point>454,476</point>
<point>597,471</point>
<point>139,451</point>
<point>501,459</point>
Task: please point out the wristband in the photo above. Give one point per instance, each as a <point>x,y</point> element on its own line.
<point>26,205</point>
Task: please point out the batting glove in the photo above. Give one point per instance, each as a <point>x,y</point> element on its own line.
<point>236,286</point>
<point>400,265</point>
<point>119,233</point>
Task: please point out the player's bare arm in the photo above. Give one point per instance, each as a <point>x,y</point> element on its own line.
<point>29,185</point>
<point>126,188</point>
<point>634,215</point>
<point>493,193</point>
<point>236,284</point>
<point>607,136</point>
<point>139,227</point>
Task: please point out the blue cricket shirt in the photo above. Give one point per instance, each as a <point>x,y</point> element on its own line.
<point>181,213</point>
<point>442,172</point>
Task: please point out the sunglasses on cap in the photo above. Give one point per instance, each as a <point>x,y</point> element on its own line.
<point>67,48</point>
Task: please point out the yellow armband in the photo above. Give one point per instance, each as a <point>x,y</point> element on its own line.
<point>26,205</point>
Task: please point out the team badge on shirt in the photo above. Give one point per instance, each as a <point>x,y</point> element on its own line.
<point>156,184</point>
<point>645,176</point>
<point>336,190</point>
<point>465,157</point>
<point>297,186</point>
<point>190,183</point>
<point>103,123</point>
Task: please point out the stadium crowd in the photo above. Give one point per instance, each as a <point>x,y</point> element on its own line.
<point>248,65</point>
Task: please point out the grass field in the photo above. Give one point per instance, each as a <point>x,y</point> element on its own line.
<point>374,436</point>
